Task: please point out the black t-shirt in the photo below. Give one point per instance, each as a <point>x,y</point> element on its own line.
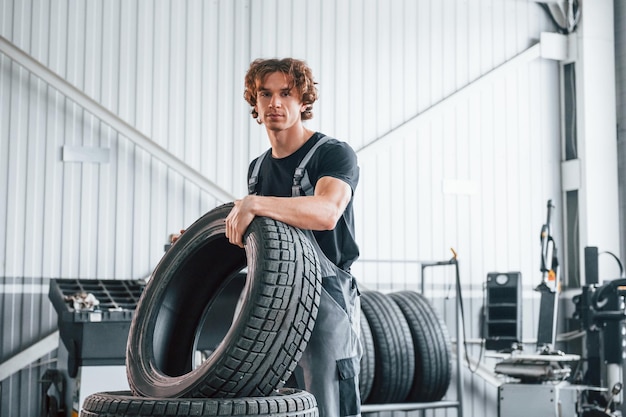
<point>333,159</point>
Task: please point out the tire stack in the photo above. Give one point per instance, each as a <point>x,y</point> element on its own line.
<point>406,349</point>
<point>245,373</point>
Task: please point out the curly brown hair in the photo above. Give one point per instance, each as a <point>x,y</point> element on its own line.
<point>296,70</point>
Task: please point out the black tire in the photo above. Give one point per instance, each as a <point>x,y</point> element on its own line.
<point>261,348</point>
<point>368,360</point>
<point>393,349</point>
<point>433,359</point>
<point>286,402</point>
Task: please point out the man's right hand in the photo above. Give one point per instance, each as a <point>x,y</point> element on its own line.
<point>239,219</point>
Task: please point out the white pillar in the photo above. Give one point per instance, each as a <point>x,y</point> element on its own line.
<point>597,136</point>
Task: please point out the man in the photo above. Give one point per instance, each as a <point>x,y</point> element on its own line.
<point>281,94</point>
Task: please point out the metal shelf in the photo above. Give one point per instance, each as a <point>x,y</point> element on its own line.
<point>458,404</point>
<point>373,408</point>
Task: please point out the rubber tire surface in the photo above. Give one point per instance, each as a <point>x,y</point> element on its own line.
<point>393,349</point>
<point>286,402</point>
<point>278,307</point>
<point>368,360</point>
<point>433,358</point>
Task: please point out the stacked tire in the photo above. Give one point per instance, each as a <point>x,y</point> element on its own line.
<point>285,403</point>
<point>407,355</point>
<point>273,322</point>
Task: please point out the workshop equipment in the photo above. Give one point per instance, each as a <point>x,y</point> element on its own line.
<point>524,400</point>
<point>549,287</point>
<point>546,379</point>
<point>544,382</point>
<point>94,318</point>
<point>503,311</point>
<point>601,314</point>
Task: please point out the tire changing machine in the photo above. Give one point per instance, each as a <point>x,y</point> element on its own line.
<point>94,319</point>
<point>545,386</point>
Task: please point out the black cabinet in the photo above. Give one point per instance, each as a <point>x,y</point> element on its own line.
<point>503,315</point>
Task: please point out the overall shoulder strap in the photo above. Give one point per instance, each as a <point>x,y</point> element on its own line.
<point>301,182</point>
<point>254,177</point>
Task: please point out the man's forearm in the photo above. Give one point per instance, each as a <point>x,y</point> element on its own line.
<point>307,212</point>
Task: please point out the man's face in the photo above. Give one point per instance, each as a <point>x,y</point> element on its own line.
<point>278,105</point>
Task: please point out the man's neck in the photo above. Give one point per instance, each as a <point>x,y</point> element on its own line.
<point>286,142</point>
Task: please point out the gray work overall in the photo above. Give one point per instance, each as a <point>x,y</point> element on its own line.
<point>331,360</point>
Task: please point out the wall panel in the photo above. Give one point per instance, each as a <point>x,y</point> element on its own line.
<point>472,174</point>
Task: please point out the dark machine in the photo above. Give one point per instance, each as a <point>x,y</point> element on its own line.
<point>550,286</point>
<point>601,313</point>
<point>94,317</point>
